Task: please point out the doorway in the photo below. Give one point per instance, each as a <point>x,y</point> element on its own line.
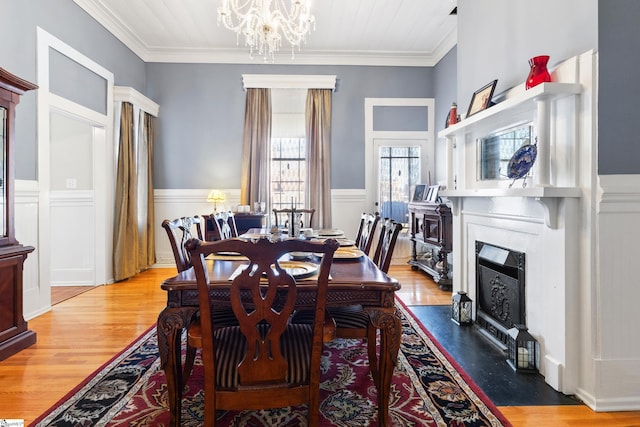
<point>399,153</point>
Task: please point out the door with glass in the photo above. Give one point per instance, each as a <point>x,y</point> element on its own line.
<point>399,170</point>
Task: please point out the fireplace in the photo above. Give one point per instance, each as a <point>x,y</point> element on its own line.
<point>500,292</point>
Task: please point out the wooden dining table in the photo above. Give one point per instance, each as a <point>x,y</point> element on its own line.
<point>352,281</point>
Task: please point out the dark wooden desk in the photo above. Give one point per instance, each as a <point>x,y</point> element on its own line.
<point>352,282</point>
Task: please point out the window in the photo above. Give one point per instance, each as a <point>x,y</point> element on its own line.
<point>288,172</point>
<point>288,184</point>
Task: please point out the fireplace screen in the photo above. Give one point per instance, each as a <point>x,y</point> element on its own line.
<point>500,293</point>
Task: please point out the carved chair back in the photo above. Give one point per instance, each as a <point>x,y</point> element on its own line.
<point>366,231</point>
<point>179,232</point>
<point>266,361</point>
<point>386,244</point>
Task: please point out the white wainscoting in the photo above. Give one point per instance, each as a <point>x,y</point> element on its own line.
<point>616,351</point>
<point>347,206</point>
<point>36,298</point>
<point>73,260</point>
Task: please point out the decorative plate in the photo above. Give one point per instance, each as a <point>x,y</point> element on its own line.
<point>300,255</point>
<point>522,161</point>
<point>346,242</point>
<point>228,253</point>
<point>329,233</point>
<point>347,253</point>
<point>298,269</point>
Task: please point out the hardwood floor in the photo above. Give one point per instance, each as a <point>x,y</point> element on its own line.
<point>80,334</point>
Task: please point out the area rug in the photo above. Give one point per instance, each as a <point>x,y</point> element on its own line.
<point>429,389</point>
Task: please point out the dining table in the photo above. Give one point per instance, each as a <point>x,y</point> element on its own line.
<point>353,280</point>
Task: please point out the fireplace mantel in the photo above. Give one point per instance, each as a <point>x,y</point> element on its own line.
<point>548,197</point>
<point>556,163</point>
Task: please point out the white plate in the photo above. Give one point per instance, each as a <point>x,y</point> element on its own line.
<point>300,255</point>
<point>346,242</point>
<point>228,253</point>
<point>329,233</point>
<point>348,253</point>
<point>299,269</point>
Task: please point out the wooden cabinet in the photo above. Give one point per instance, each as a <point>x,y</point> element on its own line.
<point>246,221</point>
<point>14,333</point>
<point>430,225</point>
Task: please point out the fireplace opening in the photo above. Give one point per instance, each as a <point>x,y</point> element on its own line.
<point>500,293</point>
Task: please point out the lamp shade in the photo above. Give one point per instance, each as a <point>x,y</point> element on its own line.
<point>215,196</point>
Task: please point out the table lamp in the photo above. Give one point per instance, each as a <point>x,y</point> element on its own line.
<point>215,196</point>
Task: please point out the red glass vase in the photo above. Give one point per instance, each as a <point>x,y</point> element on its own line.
<point>539,73</point>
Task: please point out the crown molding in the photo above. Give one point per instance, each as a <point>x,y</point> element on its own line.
<point>99,10</point>
<point>306,57</point>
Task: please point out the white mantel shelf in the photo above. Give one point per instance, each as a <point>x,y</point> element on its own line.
<point>548,197</point>
<point>515,191</point>
<point>514,105</point>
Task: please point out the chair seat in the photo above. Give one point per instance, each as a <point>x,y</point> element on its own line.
<point>345,317</point>
<point>222,316</point>
<point>230,344</point>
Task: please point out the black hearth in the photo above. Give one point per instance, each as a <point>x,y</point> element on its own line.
<point>500,292</point>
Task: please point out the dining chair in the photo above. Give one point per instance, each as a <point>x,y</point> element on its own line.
<point>222,225</point>
<point>366,231</point>
<point>353,321</point>
<point>283,217</point>
<point>266,361</point>
<point>180,231</point>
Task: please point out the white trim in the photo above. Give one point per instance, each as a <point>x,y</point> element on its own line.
<point>286,81</point>
<point>370,136</point>
<point>129,94</point>
<point>103,159</point>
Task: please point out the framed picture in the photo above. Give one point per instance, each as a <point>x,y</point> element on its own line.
<point>418,193</point>
<point>431,193</point>
<point>481,98</point>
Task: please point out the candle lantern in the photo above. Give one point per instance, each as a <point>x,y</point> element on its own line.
<point>523,350</point>
<point>461,309</point>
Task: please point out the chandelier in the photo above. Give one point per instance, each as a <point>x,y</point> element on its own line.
<point>264,22</point>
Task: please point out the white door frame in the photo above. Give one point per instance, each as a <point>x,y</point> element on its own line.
<point>374,139</point>
<point>103,163</point>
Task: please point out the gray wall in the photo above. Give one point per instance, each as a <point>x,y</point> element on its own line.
<point>618,112</point>
<point>446,86</point>
<point>496,38</point>
<point>202,118</point>
<point>69,23</point>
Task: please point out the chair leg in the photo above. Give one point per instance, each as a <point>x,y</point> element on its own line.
<point>372,353</point>
<point>188,364</point>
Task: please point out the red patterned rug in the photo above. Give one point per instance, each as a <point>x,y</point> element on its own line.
<point>429,389</point>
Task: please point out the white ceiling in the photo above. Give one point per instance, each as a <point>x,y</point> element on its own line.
<point>348,32</point>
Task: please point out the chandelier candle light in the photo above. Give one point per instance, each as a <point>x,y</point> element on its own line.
<point>262,22</point>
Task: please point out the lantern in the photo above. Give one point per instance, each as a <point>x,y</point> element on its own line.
<point>523,350</point>
<point>461,309</point>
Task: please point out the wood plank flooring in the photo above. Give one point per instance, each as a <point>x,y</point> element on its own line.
<point>80,334</point>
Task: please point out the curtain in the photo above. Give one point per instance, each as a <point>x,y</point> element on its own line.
<point>146,213</point>
<point>254,181</point>
<point>134,218</point>
<point>318,133</point>
<point>125,240</point>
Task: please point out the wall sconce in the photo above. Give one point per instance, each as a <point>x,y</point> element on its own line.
<point>523,350</point>
<point>461,309</point>
<point>215,197</point>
